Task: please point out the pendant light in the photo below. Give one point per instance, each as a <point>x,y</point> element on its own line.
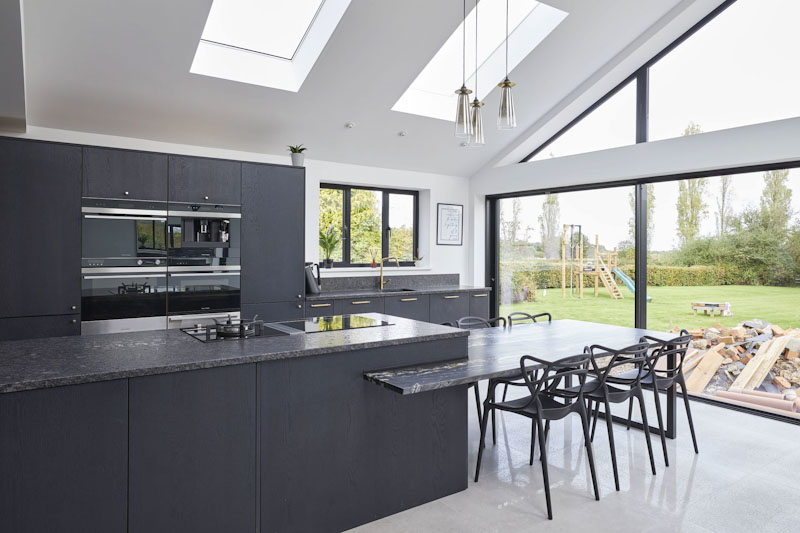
<point>463,124</point>
<point>506,118</point>
<point>476,138</point>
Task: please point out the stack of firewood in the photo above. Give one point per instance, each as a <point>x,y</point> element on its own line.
<point>756,364</point>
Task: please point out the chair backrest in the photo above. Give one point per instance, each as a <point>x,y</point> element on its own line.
<point>477,322</point>
<point>452,325</point>
<point>545,376</point>
<point>635,355</point>
<point>519,316</point>
<point>662,349</point>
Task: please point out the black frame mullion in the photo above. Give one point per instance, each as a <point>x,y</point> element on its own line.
<point>640,252</point>
<point>385,231</point>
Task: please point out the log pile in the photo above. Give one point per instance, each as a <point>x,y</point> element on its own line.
<point>755,364</point>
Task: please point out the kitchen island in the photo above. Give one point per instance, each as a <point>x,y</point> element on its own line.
<point>157,431</point>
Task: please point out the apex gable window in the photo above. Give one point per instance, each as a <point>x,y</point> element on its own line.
<point>374,223</point>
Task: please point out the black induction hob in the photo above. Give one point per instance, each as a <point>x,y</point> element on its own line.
<point>246,329</point>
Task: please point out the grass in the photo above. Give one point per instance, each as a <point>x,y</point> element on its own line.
<point>671,306</point>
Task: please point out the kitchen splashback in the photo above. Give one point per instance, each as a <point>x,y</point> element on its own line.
<point>416,281</point>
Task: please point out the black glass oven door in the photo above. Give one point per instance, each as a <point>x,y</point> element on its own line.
<point>204,292</point>
<point>108,296</point>
<point>123,237</point>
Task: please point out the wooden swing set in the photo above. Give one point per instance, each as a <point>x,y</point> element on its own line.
<point>599,269</point>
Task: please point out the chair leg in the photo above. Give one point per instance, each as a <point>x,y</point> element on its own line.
<point>543,453</point>
<point>640,396</point>
<point>505,390</point>
<point>630,414</point>
<point>533,438</point>
<point>477,401</point>
<point>588,443</point>
<point>596,416</point>
<point>494,423</point>
<point>484,421</point>
<point>660,418</point>
<point>688,411</point>
<point>609,424</point>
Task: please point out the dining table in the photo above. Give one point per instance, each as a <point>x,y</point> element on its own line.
<point>495,353</point>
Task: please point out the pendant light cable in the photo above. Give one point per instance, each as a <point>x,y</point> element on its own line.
<point>464,47</point>
<point>506,38</point>
<point>476,49</point>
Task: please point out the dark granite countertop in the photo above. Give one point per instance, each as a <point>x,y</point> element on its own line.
<point>392,291</point>
<point>52,362</point>
<point>495,352</point>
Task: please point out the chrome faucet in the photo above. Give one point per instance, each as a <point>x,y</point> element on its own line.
<point>396,262</point>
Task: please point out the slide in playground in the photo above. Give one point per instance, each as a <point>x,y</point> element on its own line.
<point>627,281</point>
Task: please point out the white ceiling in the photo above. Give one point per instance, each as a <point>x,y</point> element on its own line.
<point>121,67</point>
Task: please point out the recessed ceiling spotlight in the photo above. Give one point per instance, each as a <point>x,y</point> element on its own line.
<point>402,133</point>
<point>350,125</point>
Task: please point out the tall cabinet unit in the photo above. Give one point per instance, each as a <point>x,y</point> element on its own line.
<point>40,194</point>
<point>273,241</point>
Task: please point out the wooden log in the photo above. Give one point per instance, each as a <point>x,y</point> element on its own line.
<point>690,362</point>
<point>701,375</point>
<point>769,360</point>
<point>778,331</point>
<point>792,355</point>
<point>726,340</point>
<point>751,365</point>
<point>781,382</point>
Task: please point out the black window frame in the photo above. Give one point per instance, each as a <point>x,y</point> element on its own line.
<point>385,229</point>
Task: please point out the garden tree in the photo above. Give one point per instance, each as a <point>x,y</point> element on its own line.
<point>550,226</point>
<point>724,207</point>
<point>691,207</point>
<point>510,227</point>
<point>330,214</point>
<point>651,206</point>
<point>692,129</point>
<point>776,202</point>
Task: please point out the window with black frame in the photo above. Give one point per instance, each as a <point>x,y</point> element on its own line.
<point>363,225</point>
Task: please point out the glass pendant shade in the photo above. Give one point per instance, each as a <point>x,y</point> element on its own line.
<point>506,118</point>
<point>463,119</point>
<point>476,138</point>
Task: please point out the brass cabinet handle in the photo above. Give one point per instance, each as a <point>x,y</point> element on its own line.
<point>362,302</point>
<point>479,295</point>
<point>320,305</point>
<point>451,297</point>
<point>409,299</point>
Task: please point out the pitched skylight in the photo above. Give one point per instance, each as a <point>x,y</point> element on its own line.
<point>432,94</point>
<point>272,43</point>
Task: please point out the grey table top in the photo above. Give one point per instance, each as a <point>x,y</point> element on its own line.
<point>51,362</point>
<point>392,291</point>
<point>495,352</point>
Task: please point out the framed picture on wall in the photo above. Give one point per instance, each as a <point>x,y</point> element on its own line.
<point>449,224</point>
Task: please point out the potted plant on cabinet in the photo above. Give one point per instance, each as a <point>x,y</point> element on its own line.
<point>297,154</point>
<point>328,240</point>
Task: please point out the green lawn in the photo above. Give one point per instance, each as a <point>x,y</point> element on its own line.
<point>671,306</point>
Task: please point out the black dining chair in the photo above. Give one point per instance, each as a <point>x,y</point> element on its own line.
<point>660,377</point>
<point>476,322</point>
<point>546,402</point>
<point>519,316</point>
<point>602,390</point>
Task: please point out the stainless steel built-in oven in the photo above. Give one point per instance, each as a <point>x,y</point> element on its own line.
<point>118,299</point>
<point>198,297</point>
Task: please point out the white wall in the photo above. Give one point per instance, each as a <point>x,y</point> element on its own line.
<point>768,143</point>
<point>433,188</point>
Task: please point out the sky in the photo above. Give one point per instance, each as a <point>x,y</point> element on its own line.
<point>739,69</point>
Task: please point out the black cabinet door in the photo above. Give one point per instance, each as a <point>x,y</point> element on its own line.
<point>192,451</point>
<point>274,311</point>
<point>479,304</point>
<point>35,327</point>
<point>40,213</point>
<point>316,308</point>
<point>354,306</point>
<point>413,306</point>
<point>109,173</point>
<point>202,180</point>
<point>449,307</point>
<point>64,458</point>
<point>273,233</point>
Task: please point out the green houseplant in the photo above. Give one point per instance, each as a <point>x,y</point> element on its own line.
<point>297,154</point>
<point>328,240</point>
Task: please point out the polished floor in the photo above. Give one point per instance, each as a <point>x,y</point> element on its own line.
<point>746,478</point>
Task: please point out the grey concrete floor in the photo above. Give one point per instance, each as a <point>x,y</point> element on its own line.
<point>745,478</point>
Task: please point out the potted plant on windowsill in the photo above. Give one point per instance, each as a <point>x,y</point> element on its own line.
<point>297,154</point>
<point>328,240</point>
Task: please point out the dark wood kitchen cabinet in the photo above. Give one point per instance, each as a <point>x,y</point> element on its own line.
<point>273,234</point>
<point>354,306</point>
<point>64,458</point>
<point>37,327</point>
<point>479,304</point>
<point>40,213</point>
<point>449,307</point>
<point>413,306</point>
<point>315,308</point>
<point>204,180</point>
<point>126,174</point>
<point>275,311</point>
<point>193,451</point>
